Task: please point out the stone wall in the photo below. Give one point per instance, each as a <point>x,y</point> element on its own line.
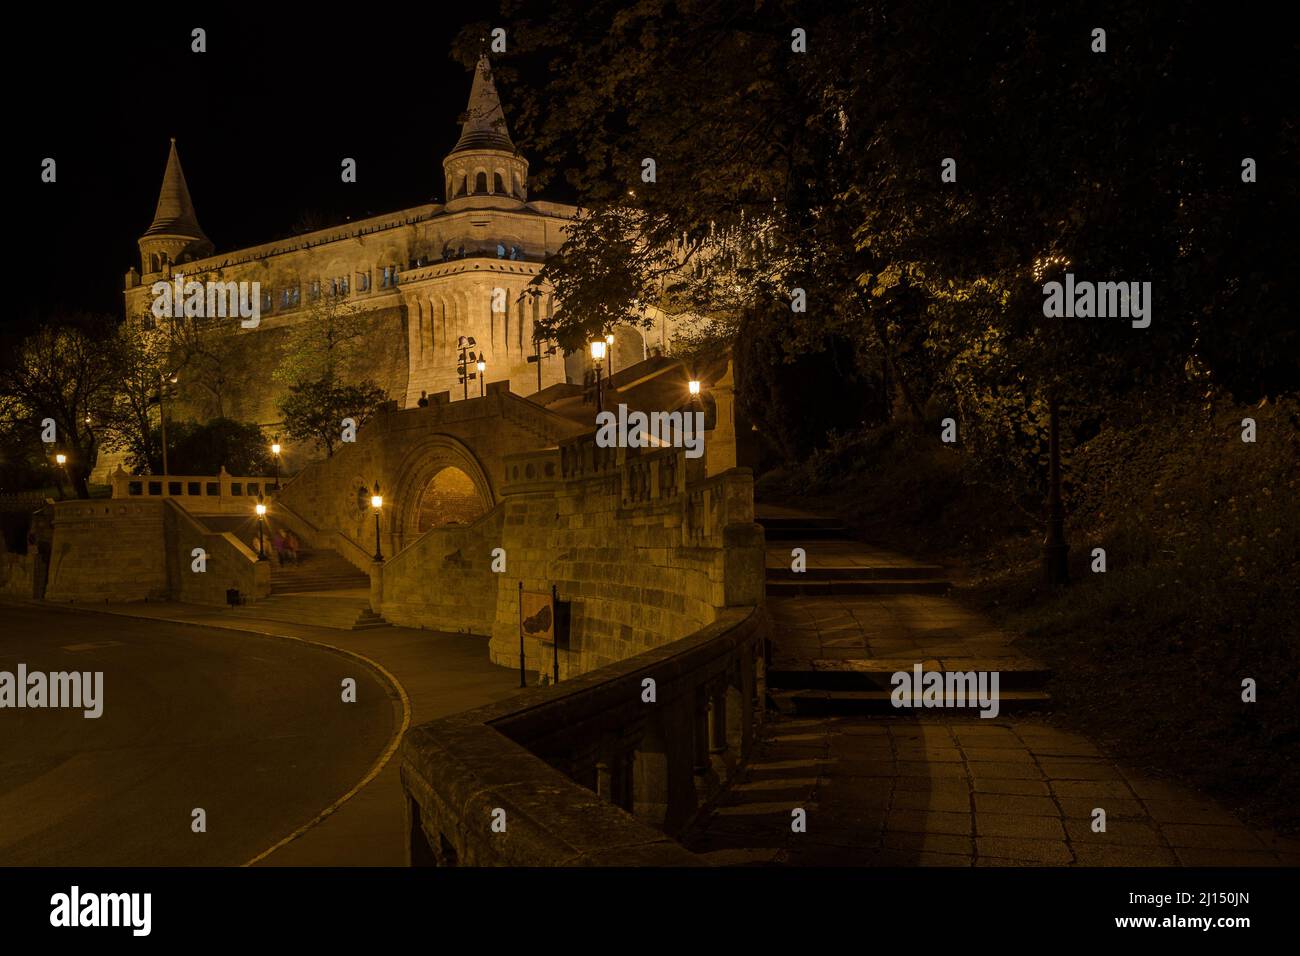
<point>128,550</point>
<point>108,551</point>
<point>444,581</point>
<point>230,563</point>
<point>644,557</point>
<point>18,574</point>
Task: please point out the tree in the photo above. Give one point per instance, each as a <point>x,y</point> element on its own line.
<point>64,375</point>
<point>314,410</point>
<point>204,448</point>
<point>143,353</point>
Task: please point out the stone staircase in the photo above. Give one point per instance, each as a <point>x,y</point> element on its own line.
<point>316,571</point>
<point>870,614</point>
<point>345,611</point>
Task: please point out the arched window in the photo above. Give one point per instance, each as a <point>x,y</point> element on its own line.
<point>480,182</point>
<point>464,185</point>
<point>497,185</point>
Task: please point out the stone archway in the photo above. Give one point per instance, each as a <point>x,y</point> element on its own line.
<point>439,482</point>
<point>449,498</point>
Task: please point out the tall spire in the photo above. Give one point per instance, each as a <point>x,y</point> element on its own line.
<point>175,213</point>
<point>485,122</point>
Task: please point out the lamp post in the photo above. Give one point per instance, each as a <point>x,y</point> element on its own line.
<point>377,503</point>
<point>62,461</point>
<point>275,458</point>
<point>597,355</point>
<point>609,349</point>
<point>465,343</point>
<point>482,367</point>
<point>261,529</point>
<point>163,380</point>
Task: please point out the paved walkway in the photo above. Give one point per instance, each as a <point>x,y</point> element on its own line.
<point>883,787</point>
<point>435,674</point>
<point>898,791</point>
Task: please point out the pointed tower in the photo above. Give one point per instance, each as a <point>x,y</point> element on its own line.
<point>175,235</point>
<point>484,169</point>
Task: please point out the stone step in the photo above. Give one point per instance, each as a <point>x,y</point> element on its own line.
<point>878,702</point>
<point>806,532</point>
<point>342,613</point>
<point>815,588</point>
<point>850,573</point>
<point>876,674</point>
<point>799,521</point>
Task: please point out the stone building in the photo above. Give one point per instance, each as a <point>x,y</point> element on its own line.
<point>423,277</point>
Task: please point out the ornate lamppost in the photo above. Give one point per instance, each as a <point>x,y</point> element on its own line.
<point>377,505</point>
<point>597,356</point>
<point>62,461</point>
<point>482,367</point>
<point>261,528</point>
<point>275,457</point>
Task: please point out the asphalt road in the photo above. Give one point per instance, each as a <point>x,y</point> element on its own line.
<point>252,729</point>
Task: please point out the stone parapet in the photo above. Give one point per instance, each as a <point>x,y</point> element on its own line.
<point>599,771</point>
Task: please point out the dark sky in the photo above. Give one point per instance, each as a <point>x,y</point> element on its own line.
<point>262,120</point>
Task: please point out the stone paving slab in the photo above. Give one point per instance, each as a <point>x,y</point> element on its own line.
<point>903,791</point>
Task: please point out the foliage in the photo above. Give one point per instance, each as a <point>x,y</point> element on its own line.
<point>203,448</point>
<point>314,410</point>
<point>65,371</point>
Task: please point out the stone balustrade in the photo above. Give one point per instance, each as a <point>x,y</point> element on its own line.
<point>602,769</point>
<point>223,493</point>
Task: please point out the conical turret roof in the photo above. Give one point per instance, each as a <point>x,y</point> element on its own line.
<point>485,122</point>
<point>175,213</point>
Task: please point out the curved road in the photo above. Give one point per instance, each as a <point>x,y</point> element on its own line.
<point>252,729</point>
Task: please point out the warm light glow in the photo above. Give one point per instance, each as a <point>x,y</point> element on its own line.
<point>275,448</point>
<point>376,501</point>
<point>261,509</point>
<point>61,459</point>
<point>482,366</point>
<point>609,340</point>
<point>598,350</point>
<point>694,386</point>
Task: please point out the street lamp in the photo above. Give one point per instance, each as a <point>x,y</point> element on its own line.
<point>465,343</point>
<point>275,457</point>
<point>609,349</point>
<point>163,380</point>
<point>694,387</point>
<point>261,529</point>
<point>62,461</point>
<point>482,367</point>
<point>597,355</point>
<point>377,503</point>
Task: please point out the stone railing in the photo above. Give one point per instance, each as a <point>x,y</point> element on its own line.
<point>205,493</point>
<point>602,769</point>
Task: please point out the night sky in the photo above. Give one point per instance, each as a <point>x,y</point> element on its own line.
<point>262,121</point>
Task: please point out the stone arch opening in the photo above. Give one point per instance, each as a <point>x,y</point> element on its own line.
<point>449,498</point>
<point>439,482</point>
